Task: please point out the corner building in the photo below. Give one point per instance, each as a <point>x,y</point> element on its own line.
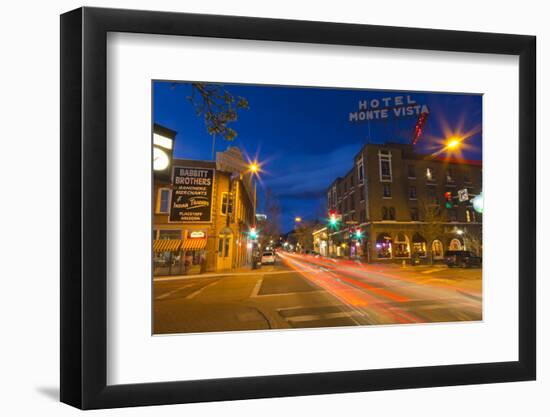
<point>219,244</point>
<point>404,204</point>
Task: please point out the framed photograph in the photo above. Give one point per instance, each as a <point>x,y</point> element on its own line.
<point>258,208</point>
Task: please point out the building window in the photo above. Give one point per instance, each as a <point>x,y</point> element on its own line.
<point>449,176</point>
<point>467,179</point>
<point>163,202</point>
<point>386,191</point>
<point>470,215</point>
<point>451,213</point>
<point>170,234</point>
<point>432,195</point>
<point>455,244</point>
<point>391,213</point>
<point>351,180</point>
<point>414,214</point>
<point>334,195</point>
<point>360,171</point>
<point>430,174</point>
<point>437,249</point>
<point>328,200</point>
<point>383,246</point>
<point>411,172</point>
<point>401,247</point>
<point>362,194</point>
<point>385,213</point>
<point>384,161</point>
<point>418,245</point>
<point>227,204</point>
<point>412,192</point>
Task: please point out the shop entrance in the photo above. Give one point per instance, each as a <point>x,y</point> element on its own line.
<point>225,250</point>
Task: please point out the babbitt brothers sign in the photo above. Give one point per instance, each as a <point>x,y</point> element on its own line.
<point>192,194</point>
<point>386,107</point>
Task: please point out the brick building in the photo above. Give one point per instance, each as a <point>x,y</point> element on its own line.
<point>218,240</point>
<point>395,203</point>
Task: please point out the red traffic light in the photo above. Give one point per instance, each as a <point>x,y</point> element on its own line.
<point>448,195</point>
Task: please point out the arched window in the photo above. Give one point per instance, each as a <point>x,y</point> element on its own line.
<point>384,246</point>
<point>437,249</point>
<point>455,244</point>
<point>401,247</point>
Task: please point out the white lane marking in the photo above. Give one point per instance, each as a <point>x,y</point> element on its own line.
<point>224,274</point>
<point>429,271</point>
<point>327,316</point>
<point>290,293</point>
<point>257,287</point>
<point>194,294</point>
<point>169,293</point>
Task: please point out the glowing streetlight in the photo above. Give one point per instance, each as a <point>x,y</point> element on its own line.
<point>477,202</point>
<point>453,143</point>
<point>297,219</point>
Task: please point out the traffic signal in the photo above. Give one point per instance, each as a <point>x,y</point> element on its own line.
<point>332,218</point>
<point>448,199</point>
<point>253,233</point>
<point>358,233</point>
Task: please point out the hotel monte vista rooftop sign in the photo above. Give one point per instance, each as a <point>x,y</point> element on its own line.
<point>386,108</point>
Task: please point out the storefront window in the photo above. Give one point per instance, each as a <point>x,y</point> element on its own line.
<point>401,246</point>
<point>384,246</point>
<point>455,244</point>
<point>418,245</point>
<point>170,234</point>
<point>437,249</point>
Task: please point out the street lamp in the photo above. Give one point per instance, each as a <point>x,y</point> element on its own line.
<point>477,203</point>
<point>453,143</point>
<point>297,219</point>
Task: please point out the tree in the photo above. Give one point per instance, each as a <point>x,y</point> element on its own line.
<point>272,228</point>
<point>473,240</point>
<point>218,107</point>
<point>433,228</point>
<point>304,235</point>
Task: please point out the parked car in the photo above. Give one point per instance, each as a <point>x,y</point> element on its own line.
<point>268,258</point>
<point>462,258</point>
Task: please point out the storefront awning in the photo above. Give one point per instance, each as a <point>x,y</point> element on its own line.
<point>194,244</point>
<point>167,245</point>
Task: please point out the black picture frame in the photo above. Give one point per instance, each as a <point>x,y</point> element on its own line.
<point>84,207</point>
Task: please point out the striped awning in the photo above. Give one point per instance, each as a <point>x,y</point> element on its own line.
<point>194,244</point>
<point>167,245</point>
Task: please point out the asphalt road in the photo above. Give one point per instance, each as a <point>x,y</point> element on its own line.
<point>303,291</point>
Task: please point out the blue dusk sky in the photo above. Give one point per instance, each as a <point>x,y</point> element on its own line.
<point>304,138</point>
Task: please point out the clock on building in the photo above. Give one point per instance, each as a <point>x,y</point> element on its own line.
<point>161,160</point>
<point>163,145</point>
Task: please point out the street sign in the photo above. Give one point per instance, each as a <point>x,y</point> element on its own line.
<point>463,195</point>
